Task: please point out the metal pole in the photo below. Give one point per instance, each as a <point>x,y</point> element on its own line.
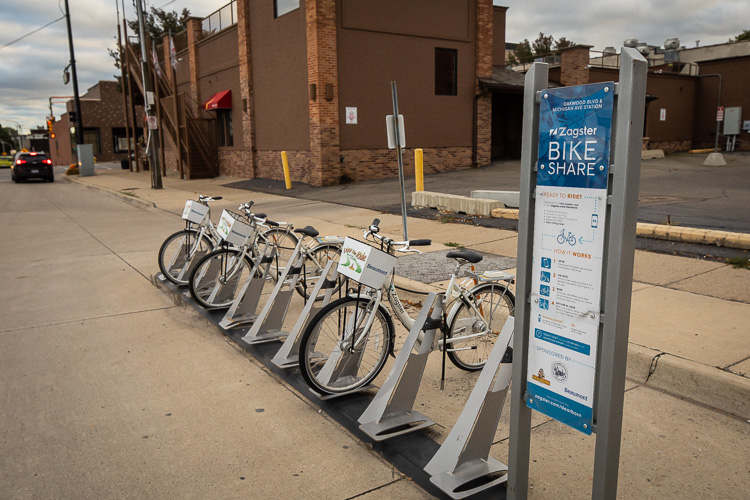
<point>399,153</point>
<point>718,104</point>
<point>123,83</point>
<point>620,247</point>
<point>146,79</point>
<point>520,414</point>
<point>77,99</point>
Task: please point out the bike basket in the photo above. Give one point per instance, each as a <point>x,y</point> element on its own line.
<point>365,264</point>
<point>194,212</point>
<point>233,228</point>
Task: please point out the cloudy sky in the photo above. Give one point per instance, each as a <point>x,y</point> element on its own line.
<point>31,69</point>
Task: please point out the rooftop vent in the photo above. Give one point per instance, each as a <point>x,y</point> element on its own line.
<point>630,42</point>
<point>609,50</point>
<point>672,43</point>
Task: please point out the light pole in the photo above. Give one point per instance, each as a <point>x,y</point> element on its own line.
<point>20,144</point>
<point>77,100</point>
<point>153,138</point>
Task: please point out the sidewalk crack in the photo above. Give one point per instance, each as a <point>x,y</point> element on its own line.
<point>374,489</point>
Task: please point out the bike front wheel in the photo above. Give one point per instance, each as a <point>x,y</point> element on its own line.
<point>218,278</point>
<point>179,252</point>
<point>475,326</point>
<point>336,354</point>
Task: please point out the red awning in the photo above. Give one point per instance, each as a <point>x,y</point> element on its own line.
<point>220,100</point>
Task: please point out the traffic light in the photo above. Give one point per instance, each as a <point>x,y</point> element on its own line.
<point>50,122</point>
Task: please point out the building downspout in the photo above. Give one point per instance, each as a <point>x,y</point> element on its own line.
<point>475,128</point>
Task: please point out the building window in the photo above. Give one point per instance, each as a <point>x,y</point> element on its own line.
<point>224,123</point>
<point>91,136</point>
<point>120,138</point>
<point>445,71</point>
<point>282,7</point>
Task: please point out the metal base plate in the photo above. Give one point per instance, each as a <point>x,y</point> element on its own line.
<point>265,337</point>
<point>397,425</point>
<point>327,397</point>
<point>236,321</point>
<point>467,480</point>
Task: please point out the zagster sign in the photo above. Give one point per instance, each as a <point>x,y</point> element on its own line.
<point>571,199</point>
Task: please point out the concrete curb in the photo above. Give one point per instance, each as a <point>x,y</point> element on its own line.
<point>669,233</point>
<point>687,379</point>
<point>117,194</point>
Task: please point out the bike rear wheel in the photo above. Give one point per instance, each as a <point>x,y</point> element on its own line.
<point>315,262</point>
<point>285,241</point>
<point>179,252</point>
<point>336,355</point>
<point>494,303</point>
<point>218,278</point>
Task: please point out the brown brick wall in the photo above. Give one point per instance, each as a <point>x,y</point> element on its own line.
<point>234,163</point>
<point>366,164</point>
<point>574,62</point>
<point>322,70</point>
<point>246,87</point>
<point>302,165</point>
<point>484,46</point>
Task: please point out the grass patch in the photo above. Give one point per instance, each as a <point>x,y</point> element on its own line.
<point>453,244</point>
<point>446,219</point>
<point>128,193</point>
<point>739,263</point>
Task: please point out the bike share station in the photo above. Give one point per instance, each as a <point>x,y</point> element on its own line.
<point>566,345</point>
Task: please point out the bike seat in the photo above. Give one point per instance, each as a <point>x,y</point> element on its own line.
<point>308,231</point>
<point>465,254</point>
<point>260,215</point>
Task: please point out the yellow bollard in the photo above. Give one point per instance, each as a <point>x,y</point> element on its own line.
<point>419,169</point>
<point>287,177</point>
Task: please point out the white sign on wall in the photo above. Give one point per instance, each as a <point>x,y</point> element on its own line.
<point>351,116</point>
<point>663,114</point>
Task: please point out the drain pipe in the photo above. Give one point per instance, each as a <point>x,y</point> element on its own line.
<point>475,131</point>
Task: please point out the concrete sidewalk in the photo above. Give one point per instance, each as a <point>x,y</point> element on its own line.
<point>689,356</point>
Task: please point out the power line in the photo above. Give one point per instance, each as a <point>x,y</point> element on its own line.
<point>31,33</point>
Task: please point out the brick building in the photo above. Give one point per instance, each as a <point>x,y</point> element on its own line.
<point>104,125</point>
<point>280,75</point>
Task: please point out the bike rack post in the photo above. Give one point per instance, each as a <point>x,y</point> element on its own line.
<point>288,355</point>
<point>464,456</point>
<point>390,413</point>
<point>242,310</point>
<point>267,326</point>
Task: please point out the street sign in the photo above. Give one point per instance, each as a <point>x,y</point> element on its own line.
<point>391,130</point>
<point>152,123</point>
<point>575,125</point>
<point>720,114</point>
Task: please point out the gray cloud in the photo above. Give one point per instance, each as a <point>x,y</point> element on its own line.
<point>31,70</point>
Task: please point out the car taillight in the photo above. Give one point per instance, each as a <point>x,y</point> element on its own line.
<point>48,161</point>
<point>18,162</point>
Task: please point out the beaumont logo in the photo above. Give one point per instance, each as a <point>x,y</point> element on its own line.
<point>572,132</point>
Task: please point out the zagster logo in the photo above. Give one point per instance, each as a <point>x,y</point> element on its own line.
<point>572,132</point>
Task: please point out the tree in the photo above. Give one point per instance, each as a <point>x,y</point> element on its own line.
<point>158,22</point>
<point>543,45</point>
<point>523,53</point>
<point>563,43</point>
<point>745,35</point>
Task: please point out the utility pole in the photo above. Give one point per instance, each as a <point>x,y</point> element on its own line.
<point>153,138</point>
<point>77,99</point>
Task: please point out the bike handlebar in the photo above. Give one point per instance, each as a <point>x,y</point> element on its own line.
<point>202,198</point>
<point>389,242</point>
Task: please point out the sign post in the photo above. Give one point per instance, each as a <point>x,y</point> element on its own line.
<point>397,134</point>
<point>576,242</point>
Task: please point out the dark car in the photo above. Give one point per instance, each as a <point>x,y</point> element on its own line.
<point>30,166</point>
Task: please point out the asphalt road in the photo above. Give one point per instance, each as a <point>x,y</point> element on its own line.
<point>677,189</point>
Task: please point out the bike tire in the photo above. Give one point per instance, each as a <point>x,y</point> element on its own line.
<point>326,340</point>
<point>174,261</point>
<point>285,241</point>
<point>315,262</point>
<point>218,277</point>
<point>496,303</point>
